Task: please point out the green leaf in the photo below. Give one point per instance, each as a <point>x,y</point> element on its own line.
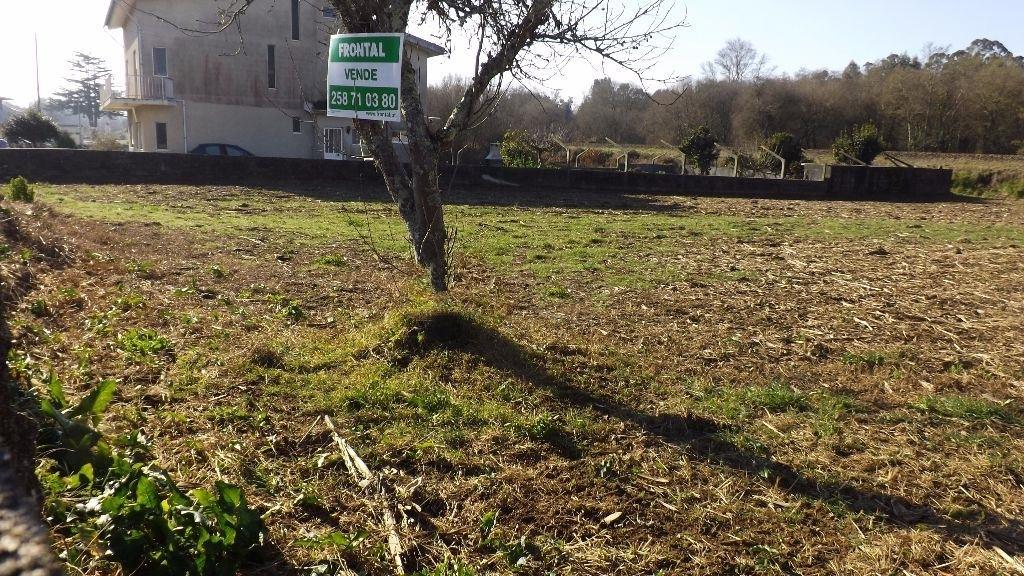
<point>112,504</point>
<point>97,401</point>
<point>203,497</point>
<point>86,475</point>
<point>56,390</point>
<point>105,394</point>
<point>146,493</point>
<point>229,493</point>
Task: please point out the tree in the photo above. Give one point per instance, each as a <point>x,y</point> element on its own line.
<point>513,38</point>
<point>738,61</point>
<point>701,146</point>
<point>613,110</point>
<point>862,143</point>
<point>31,127</point>
<point>786,145</point>
<point>82,96</point>
<point>519,150</point>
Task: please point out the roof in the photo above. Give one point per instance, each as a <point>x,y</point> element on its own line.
<point>427,46</point>
<point>119,10</point>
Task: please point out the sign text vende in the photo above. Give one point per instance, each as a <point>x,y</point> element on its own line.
<point>364,76</point>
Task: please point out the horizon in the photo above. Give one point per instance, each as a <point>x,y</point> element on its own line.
<point>811,44</point>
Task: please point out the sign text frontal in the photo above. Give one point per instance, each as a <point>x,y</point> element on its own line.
<point>364,76</point>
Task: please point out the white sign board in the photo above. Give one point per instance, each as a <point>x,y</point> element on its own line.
<point>364,76</point>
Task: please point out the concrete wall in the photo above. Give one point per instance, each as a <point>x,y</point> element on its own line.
<point>262,131</point>
<point>226,68</point>
<point>87,166</point>
<point>146,117</point>
<point>887,181</point>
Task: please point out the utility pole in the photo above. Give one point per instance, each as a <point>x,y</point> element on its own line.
<point>39,99</point>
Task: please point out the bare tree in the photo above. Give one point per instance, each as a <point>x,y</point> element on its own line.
<point>738,61</point>
<point>524,39</point>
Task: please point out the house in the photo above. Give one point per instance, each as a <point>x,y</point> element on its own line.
<point>260,85</point>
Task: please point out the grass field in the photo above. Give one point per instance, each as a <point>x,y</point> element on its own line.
<point>615,384</point>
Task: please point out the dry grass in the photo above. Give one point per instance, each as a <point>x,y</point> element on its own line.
<point>624,385</point>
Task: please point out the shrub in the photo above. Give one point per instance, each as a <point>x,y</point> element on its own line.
<point>787,146</point>
<point>64,140</point>
<point>595,158</point>
<point>863,143</point>
<point>107,141</point>
<point>20,190</point>
<point>519,150</point>
<point>31,127</point>
<point>701,147</point>
<point>988,183</point>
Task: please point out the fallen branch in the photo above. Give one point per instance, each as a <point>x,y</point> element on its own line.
<point>374,486</point>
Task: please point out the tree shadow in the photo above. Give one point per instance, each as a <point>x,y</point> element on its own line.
<point>702,438</point>
<point>374,192</point>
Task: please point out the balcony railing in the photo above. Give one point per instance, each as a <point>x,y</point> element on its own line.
<point>138,87</point>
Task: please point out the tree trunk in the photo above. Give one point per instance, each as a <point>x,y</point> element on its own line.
<point>415,186</point>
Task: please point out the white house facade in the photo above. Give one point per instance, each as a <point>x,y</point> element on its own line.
<point>259,85</point>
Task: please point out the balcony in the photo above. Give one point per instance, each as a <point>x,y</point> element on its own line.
<point>138,90</point>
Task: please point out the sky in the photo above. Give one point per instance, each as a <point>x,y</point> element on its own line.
<point>794,34</point>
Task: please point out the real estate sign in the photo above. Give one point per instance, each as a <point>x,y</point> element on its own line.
<point>364,76</point>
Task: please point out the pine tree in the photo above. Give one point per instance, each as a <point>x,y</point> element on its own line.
<point>82,96</point>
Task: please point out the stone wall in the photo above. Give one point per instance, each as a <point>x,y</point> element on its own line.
<point>96,167</point>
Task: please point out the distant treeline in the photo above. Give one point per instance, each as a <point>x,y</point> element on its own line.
<point>969,101</point>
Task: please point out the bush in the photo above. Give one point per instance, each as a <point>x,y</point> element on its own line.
<point>701,147</point>
<point>20,190</point>
<point>595,158</point>
<point>519,150</point>
<point>987,183</point>
<point>108,142</point>
<point>64,140</point>
<point>787,146</point>
<point>863,143</point>
<point>31,127</point>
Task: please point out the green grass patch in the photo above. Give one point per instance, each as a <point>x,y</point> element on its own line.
<point>988,183</point>
<point>868,359</point>
<point>140,345</point>
<point>966,408</point>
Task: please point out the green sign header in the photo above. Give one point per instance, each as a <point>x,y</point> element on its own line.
<point>366,49</point>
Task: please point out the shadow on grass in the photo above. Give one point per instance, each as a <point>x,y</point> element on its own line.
<point>489,195</point>
<point>700,438</point>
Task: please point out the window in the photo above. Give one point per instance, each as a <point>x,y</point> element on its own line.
<point>271,68</point>
<point>296,125</point>
<point>234,151</point>
<point>329,13</point>
<point>161,136</point>
<point>160,61</point>
<point>295,19</point>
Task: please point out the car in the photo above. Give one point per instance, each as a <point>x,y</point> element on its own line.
<point>4,144</point>
<point>220,150</point>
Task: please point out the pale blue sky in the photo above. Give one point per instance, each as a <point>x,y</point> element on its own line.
<point>794,34</point>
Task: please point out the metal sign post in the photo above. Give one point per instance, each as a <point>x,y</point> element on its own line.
<point>364,76</point>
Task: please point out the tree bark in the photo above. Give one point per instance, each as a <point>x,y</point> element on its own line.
<point>415,186</point>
